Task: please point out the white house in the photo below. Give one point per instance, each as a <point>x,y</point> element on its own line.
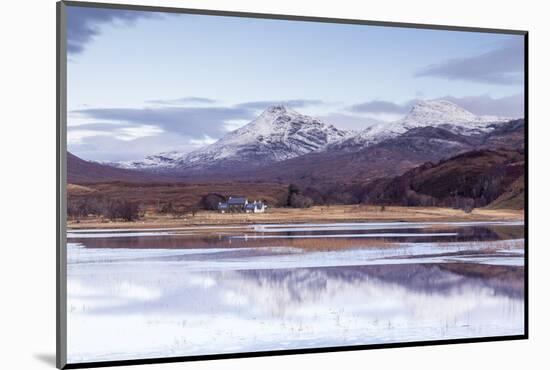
<point>240,204</point>
<point>255,207</point>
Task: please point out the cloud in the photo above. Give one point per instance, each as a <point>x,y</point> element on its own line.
<point>95,132</point>
<point>84,24</point>
<point>379,106</point>
<point>293,103</point>
<point>508,106</point>
<point>503,66</point>
<point>205,140</point>
<point>108,148</point>
<point>193,122</point>
<point>80,133</point>
<point>183,101</point>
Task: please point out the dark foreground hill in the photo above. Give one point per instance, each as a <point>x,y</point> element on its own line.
<point>513,197</point>
<point>472,179</point>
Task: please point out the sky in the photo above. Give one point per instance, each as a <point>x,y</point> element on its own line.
<point>141,83</point>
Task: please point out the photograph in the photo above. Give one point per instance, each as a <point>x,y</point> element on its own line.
<point>240,184</point>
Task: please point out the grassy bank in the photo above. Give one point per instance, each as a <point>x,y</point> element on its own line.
<point>320,214</point>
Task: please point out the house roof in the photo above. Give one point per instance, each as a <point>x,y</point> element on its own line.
<point>236,200</point>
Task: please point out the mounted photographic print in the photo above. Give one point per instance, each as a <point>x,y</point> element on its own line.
<point>236,184</point>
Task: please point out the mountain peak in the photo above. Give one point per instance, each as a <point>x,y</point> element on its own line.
<point>437,112</point>
<point>443,106</point>
<point>277,108</point>
<point>279,133</point>
<point>425,113</point>
<point>435,104</point>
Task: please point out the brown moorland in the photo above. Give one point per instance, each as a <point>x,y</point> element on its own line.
<point>152,196</point>
<point>320,214</point>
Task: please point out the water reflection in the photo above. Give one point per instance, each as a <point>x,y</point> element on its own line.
<point>197,296</point>
<point>236,238</point>
<point>228,311</point>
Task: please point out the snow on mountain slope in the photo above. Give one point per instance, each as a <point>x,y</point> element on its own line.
<point>437,112</point>
<point>163,160</point>
<point>279,133</point>
<point>432,113</point>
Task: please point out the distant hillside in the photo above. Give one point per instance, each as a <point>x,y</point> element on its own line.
<point>81,171</point>
<point>472,179</point>
<point>388,158</point>
<point>508,135</point>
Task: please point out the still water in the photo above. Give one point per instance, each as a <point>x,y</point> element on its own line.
<point>206,290</point>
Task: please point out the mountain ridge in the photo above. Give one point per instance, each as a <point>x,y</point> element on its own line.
<point>280,133</point>
<point>433,113</point>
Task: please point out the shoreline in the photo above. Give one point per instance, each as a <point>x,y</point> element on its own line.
<point>316,214</point>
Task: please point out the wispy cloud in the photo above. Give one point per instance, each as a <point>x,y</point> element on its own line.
<point>379,106</point>
<point>293,103</point>
<point>108,148</point>
<point>187,121</point>
<point>84,24</point>
<point>502,66</point>
<point>196,122</point>
<point>78,134</point>
<point>182,124</point>
<point>205,140</point>
<point>508,106</point>
<point>183,101</point>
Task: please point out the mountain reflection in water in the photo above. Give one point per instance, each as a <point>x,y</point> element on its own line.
<point>200,295</point>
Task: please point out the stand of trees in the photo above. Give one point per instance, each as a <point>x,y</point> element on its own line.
<point>210,201</point>
<point>296,199</point>
<point>114,209</point>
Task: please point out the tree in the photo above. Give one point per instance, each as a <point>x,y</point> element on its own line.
<point>121,209</point>
<point>210,201</point>
<point>129,210</point>
<point>300,201</point>
<point>178,212</point>
<point>166,208</point>
<point>293,189</point>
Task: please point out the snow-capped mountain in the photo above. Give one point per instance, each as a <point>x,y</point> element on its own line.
<point>438,112</point>
<point>160,160</point>
<point>430,113</point>
<point>279,133</point>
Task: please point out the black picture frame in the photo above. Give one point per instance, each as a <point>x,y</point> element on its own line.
<point>61,176</point>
